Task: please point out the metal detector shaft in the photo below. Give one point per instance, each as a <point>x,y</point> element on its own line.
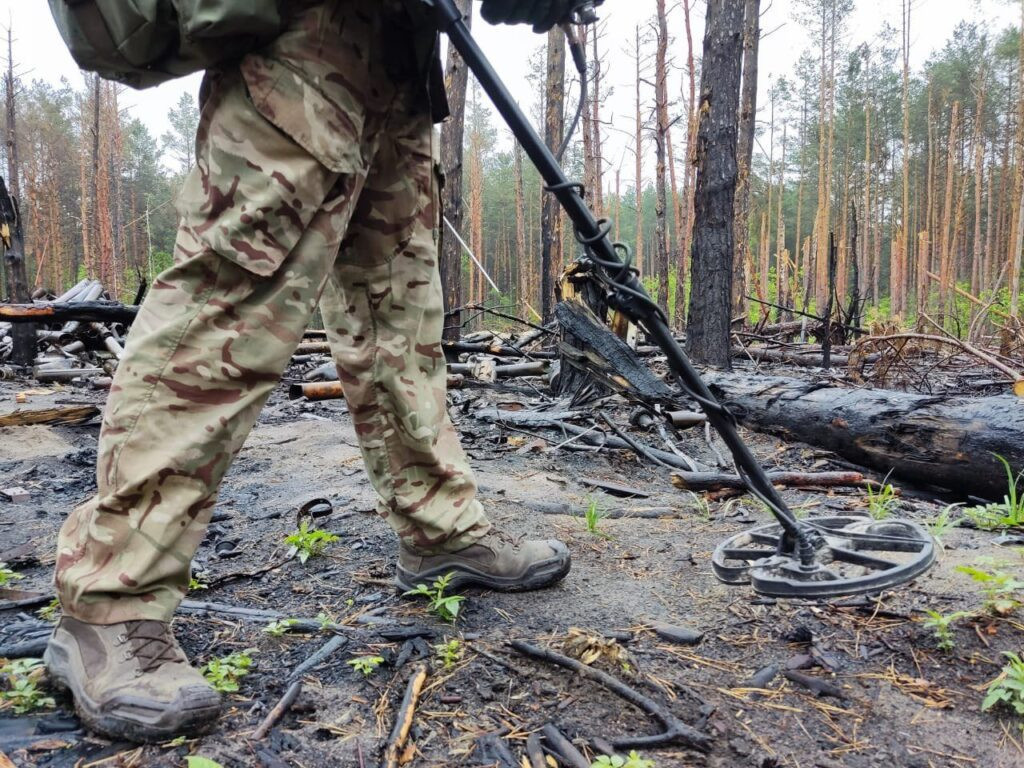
<point>450,21</point>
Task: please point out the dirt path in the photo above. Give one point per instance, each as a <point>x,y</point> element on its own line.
<point>901,701</point>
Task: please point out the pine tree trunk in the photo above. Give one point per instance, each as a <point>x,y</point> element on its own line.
<point>452,132</point>
<point>638,249</point>
<point>660,135</point>
<point>714,231</point>
<point>554,126</point>
<point>745,152</point>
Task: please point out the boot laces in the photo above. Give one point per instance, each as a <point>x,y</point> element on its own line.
<point>506,538</point>
<point>152,644</point>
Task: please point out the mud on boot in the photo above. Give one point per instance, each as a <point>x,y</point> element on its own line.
<point>131,680</point>
<point>496,561</point>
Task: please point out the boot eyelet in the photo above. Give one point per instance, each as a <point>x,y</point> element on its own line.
<point>120,639</point>
<point>126,656</point>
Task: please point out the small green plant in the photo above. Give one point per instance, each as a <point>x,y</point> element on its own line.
<point>194,585</point>
<point>279,627</point>
<point>592,516</point>
<point>632,760</point>
<point>7,575</point>
<point>1009,513</point>
<point>224,674</point>
<point>882,502</point>
<point>195,761</point>
<point>23,692</point>
<point>308,542</point>
<point>941,626</point>
<point>443,606</point>
<point>449,653</point>
<point>1007,690</point>
<point>366,664</point>
<point>701,506</point>
<point>325,621</point>
<point>999,588</point>
<point>943,523</point>
<point>49,611</point>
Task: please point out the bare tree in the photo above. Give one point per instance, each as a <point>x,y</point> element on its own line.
<point>554,126</point>
<point>456,78</point>
<point>707,338</point>
<point>745,149</point>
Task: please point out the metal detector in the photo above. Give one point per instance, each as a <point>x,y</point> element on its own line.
<point>809,558</point>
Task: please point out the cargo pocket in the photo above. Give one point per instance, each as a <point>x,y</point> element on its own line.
<point>254,190</point>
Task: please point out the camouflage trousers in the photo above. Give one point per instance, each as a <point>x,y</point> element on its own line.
<point>267,231</point>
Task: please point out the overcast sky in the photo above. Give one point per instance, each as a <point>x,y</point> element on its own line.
<point>40,53</point>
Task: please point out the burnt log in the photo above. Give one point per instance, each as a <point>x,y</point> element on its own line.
<point>943,441</point>
<point>87,311</point>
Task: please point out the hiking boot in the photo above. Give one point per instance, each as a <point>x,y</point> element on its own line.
<point>496,561</point>
<point>130,680</point>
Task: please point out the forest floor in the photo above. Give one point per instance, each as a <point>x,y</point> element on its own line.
<point>900,701</point>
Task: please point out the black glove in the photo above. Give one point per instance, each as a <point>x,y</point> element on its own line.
<point>542,14</point>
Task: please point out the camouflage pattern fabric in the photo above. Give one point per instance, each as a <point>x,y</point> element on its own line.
<point>315,181</point>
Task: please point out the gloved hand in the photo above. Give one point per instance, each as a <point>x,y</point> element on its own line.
<point>542,14</point>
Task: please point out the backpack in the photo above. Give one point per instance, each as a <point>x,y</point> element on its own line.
<point>143,43</point>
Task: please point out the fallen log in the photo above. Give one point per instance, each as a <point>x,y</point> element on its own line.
<point>86,311</point>
<point>75,414</point>
<point>718,481</point>
<point>802,358</point>
<point>943,441</point>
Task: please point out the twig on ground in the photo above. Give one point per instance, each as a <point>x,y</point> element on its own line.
<point>403,721</point>
<point>676,731</point>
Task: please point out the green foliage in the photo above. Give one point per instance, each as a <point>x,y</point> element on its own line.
<point>632,760</point>
<point>941,625</point>
<point>308,542</point>
<point>324,620</point>
<point>22,681</point>
<point>195,584</point>
<point>1007,690</point>
<point>7,575</point>
<point>701,506</point>
<point>224,674</point>
<point>592,516</point>
<point>195,761</point>
<point>366,664</point>
<point>943,523</point>
<point>882,503</point>
<point>49,611</point>
<point>1009,513</point>
<point>449,653</point>
<point>280,627</point>
<point>445,607</point>
<point>999,588</point>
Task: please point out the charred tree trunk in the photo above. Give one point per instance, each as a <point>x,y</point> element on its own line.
<point>554,120</point>
<point>24,336</point>
<point>938,441</point>
<point>710,299</point>
<point>745,150</point>
<point>456,79</point>
<point>660,137</point>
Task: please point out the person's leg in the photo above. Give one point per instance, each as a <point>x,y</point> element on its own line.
<point>383,310</point>
<point>208,346</point>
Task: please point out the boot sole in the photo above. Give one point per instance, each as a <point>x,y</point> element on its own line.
<point>538,576</point>
<point>198,720</point>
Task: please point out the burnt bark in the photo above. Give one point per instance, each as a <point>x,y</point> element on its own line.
<point>554,125</point>
<point>710,299</point>
<point>745,150</point>
<point>948,442</point>
<point>661,259</point>
<point>456,77</point>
